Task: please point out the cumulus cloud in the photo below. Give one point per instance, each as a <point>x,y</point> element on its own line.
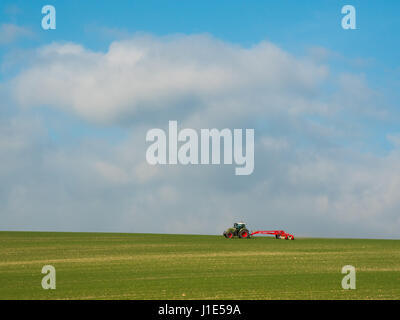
<point>305,180</point>
<point>147,74</point>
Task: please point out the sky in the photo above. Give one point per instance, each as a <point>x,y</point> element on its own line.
<point>76,103</point>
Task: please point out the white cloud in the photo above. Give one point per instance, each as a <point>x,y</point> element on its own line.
<point>148,74</point>
<point>11,32</point>
<point>111,172</point>
<point>394,139</point>
<point>274,144</point>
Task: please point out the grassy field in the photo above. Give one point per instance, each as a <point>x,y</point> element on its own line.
<point>155,266</point>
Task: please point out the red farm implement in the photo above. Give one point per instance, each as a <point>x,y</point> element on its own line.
<point>279,234</point>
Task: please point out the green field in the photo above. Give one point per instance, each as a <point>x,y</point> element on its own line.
<point>155,266</point>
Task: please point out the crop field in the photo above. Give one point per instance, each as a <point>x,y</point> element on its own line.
<point>161,266</point>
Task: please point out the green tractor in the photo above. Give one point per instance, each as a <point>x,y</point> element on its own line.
<point>239,230</point>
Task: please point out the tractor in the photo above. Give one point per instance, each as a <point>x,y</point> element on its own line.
<point>238,230</point>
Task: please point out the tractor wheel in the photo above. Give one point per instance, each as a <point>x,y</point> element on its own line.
<point>291,237</point>
<point>229,235</point>
<point>244,234</point>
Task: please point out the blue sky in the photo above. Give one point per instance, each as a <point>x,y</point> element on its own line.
<point>336,107</point>
<point>291,24</point>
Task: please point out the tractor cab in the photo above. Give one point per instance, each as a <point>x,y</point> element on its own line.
<point>239,225</point>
